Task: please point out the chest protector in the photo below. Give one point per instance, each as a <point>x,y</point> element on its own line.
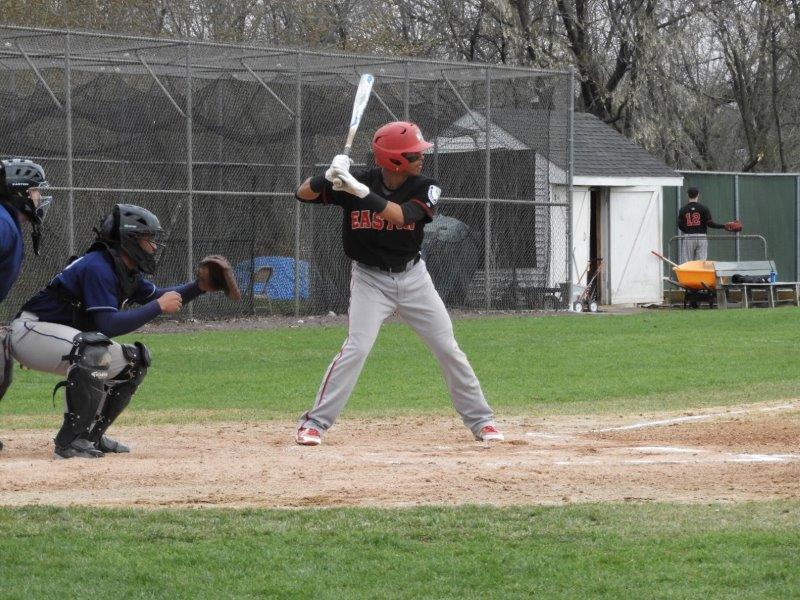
<point>126,286</point>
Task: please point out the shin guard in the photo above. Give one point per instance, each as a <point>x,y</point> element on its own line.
<point>120,394</point>
<point>85,384</point>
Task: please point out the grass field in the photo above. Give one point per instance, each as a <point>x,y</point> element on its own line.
<point>586,551</point>
<point>550,365</point>
<point>588,364</point>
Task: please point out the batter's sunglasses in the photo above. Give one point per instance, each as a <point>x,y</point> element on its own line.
<point>412,157</point>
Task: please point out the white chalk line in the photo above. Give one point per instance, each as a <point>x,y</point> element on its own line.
<point>549,436</point>
<point>731,458</point>
<point>764,458</point>
<point>663,449</point>
<point>661,422</point>
<point>649,455</point>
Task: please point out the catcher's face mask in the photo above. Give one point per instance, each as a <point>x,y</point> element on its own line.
<point>40,203</point>
<point>152,249</point>
<point>137,231</point>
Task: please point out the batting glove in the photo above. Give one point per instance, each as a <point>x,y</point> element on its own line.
<point>343,181</point>
<point>341,162</point>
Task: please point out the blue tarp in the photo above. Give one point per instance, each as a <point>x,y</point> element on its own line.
<point>281,284</point>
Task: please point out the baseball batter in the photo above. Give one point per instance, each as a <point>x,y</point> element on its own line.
<point>66,328</point>
<point>384,211</point>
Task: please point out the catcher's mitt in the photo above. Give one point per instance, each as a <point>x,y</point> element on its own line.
<point>215,273</point>
<point>733,225</point>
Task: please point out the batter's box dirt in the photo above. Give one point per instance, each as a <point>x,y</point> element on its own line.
<point>727,454</point>
<point>759,433</point>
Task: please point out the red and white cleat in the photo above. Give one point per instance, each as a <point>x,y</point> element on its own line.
<point>308,437</point>
<point>490,433</point>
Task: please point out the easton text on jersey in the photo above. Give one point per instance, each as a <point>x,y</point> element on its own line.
<point>366,219</point>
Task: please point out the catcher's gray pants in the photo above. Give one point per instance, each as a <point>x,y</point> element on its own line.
<point>41,346</point>
<point>374,295</point>
<point>694,247</point>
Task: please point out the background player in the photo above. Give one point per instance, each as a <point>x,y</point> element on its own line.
<point>694,219</point>
<point>66,328</point>
<point>384,213</point>
<point>21,201</point>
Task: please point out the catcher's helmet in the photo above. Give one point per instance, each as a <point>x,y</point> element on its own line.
<point>125,226</point>
<point>392,141</point>
<point>17,176</point>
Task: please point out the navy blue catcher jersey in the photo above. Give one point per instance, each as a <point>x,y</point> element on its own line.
<point>12,249</point>
<point>367,237</point>
<point>92,280</point>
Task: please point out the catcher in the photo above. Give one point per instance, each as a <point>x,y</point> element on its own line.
<point>66,328</point>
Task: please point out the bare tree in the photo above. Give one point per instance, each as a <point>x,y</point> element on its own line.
<point>705,84</point>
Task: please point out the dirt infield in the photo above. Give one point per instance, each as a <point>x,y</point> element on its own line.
<point>728,454</point>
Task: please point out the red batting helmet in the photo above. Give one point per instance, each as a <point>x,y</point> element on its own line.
<point>395,139</point>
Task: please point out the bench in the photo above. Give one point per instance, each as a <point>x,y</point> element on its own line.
<point>752,294</point>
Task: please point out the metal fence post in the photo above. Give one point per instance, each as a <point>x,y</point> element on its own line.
<point>189,173</point>
<point>570,172</point>
<point>487,212</point>
<point>436,121</point>
<point>298,172</point>
<point>736,212</point>
<point>678,197</point>
<point>70,180</point>
<point>406,93</point>
<point>797,226</point>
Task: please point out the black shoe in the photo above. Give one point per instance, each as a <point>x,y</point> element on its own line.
<point>106,444</point>
<point>1,444</point>
<point>79,448</point>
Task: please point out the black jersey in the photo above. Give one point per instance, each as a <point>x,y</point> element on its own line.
<point>696,218</point>
<point>367,237</point>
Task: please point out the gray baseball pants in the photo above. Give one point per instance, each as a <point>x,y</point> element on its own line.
<point>374,295</point>
<point>694,246</point>
<point>41,346</point>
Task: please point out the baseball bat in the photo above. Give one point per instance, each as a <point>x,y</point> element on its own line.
<point>359,105</point>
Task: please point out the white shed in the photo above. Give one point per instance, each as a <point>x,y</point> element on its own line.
<point>617,211</point>
<point>616,204</point>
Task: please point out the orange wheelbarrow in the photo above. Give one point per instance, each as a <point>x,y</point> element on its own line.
<point>697,278</point>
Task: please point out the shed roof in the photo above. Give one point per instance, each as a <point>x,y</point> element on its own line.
<point>599,150</point>
<point>602,150</point>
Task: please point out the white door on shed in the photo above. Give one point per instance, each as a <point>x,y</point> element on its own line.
<point>635,230</point>
<point>581,219</point>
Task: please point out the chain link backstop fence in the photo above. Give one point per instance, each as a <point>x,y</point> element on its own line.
<point>214,139</point>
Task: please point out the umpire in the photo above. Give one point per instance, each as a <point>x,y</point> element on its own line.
<point>21,184</point>
<point>21,201</point>
<point>66,328</point>
<point>694,219</point>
